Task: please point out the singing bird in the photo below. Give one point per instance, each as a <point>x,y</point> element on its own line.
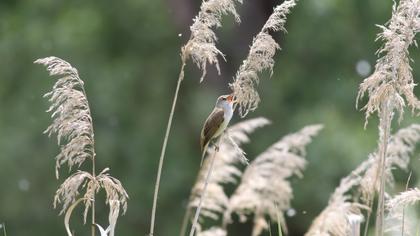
<point>217,121</point>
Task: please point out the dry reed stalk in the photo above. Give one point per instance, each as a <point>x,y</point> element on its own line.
<point>72,122</point>
<point>391,86</point>
<point>260,58</point>
<point>201,48</point>
<point>403,211</point>
<point>204,190</point>
<point>264,187</point>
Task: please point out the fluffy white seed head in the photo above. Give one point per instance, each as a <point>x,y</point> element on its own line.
<point>391,85</point>
<point>201,47</point>
<point>260,58</point>
<point>265,189</point>
<point>72,121</point>
<point>225,169</point>
<point>398,217</point>
<point>357,189</point>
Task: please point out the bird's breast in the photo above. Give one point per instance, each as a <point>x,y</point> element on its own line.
<point>227,114</point>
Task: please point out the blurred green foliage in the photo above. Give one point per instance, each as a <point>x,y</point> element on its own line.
<point>127,52</point>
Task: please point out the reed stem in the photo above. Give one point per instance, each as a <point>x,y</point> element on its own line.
<point>385,124</point>
<point>203,194</point>
<point>185,222</point>
<point>163,151</point>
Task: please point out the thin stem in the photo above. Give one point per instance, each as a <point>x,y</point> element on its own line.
<point>403,210</point>
<point>185,222</point>
<point>93,223</point>
<point>93,228</point>
<point>269,227</point>
<point>203,194</point>
<point>385,124</point>
<point>93,197</point>
<point>370,200</point>
<point>370,203</point>
<point>278,221</point>
<point>368,218</point>
<point>165,142</point>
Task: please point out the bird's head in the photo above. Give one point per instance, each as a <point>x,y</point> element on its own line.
<point>225,100</point>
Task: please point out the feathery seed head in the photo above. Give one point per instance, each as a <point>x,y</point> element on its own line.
<point>260,58</point>
<point>264,187</point>
<point>224,170</point>
<point>391,85</point>
<point>357,189</point>
<point>68,193</point>
<point>406,198</point>
<point>396,207</point>
<point>72,121</point>
<point>400,147</point>
<point>338,218</point>
<point>201,47</point>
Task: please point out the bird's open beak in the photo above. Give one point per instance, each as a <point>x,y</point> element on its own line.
<point>230,98</point>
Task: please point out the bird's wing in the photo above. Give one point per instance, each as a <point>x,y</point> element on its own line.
<point>211,126</point>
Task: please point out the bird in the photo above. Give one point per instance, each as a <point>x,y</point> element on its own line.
<point>216,122</point>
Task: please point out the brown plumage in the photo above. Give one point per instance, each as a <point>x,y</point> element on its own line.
<point>211,126</point>
<point>217,122</point>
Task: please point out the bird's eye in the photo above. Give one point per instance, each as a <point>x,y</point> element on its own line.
<point>223,98</point>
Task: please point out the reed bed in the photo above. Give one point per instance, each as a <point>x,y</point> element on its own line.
<point>263,190</point>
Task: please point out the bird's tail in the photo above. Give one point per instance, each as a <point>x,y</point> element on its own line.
<point>203,154</point>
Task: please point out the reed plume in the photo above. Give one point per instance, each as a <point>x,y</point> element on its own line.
<point>356,190</point>
<point>72,123</point>
<point>264,188</point>
<point>70,110</point>
<point>391,85</point>
<point>342,211</point>
<point>201,48</point>
<point>225,171</point>
<point>401,146</point>
<point>403,199</point>
<point>396,206</point>
<point>260,58</point>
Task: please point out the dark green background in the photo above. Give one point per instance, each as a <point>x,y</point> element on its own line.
<point>127,52</point>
